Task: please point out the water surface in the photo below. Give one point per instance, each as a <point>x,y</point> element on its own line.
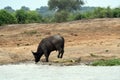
<point>46,72</point>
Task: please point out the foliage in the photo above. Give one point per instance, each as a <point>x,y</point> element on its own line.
<point>6,18</point>
<point>25,8</point>
<point>111,62</point>
<point>102,12</point>
<point>106,13</point>
<point>21,16</point>
<point>79,16</point>
<point>61,16</point>
<point>68,13</point>
<point>28,16</point>
<point>66,5</point>
<point>97,13</point>
<point>116,12</point>
<point>49,19</point>
<point>62,7</point>
<point>33,16</point>
<point>9,9</point>
<point>45,12</point>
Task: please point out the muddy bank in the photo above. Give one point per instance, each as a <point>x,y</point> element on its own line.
<point>85,40</point>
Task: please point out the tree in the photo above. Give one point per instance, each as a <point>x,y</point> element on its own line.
<point>109,12</point>
<point>28,16</point>
<point>6,18</point>
<point>45,12</point>
<point>66,5</point>
<point>25,8</point>
<point>21,16</point>
<point>116,12</point>
<point>33,16</point>
<point>63,7</point>
<point>61,16</point>
<point>99,12</point>
<point>9,9</point>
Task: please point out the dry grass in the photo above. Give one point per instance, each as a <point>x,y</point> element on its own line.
<point>89,40</point>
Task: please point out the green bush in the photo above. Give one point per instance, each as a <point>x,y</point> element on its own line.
<point>105,13</point>
<point>28,16</point>
<point>116,12</point>
<point>33,17</point>
<point>111,62</point>
<point>61,16</point>
<point>21,16</point>
<point>49,19</point>
<point>6,18</point>
<point>79,16</point>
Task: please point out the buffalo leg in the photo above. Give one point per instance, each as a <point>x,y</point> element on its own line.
<point>62,51</point>
<point>47,56</point>
<point>60,54</point>
<point>59,50</point>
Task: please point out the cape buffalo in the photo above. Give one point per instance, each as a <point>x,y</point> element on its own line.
<point>49,44</point>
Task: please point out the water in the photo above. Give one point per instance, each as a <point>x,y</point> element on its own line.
<point>46,72</point>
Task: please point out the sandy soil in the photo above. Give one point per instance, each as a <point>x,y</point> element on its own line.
<point>85,40</point>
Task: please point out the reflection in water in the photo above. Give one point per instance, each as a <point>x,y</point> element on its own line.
<point>46,72</point>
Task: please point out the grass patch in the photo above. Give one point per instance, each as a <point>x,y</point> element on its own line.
<point>32,32</point>
<point>93,55</point>
<point>111,62</point>
<point>106,50</point>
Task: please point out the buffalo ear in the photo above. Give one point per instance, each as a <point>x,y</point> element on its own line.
<point>33,52</point>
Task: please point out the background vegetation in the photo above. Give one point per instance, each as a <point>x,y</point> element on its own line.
<point>111,62</point>
<point>56,12</point>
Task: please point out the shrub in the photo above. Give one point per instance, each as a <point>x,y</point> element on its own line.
<point>33,16</point>
<point>21,16</point>
<point>6,18</point>
<point>111,62</point>
<point>116,12</point>
<point>28,16</point>
<point>61,16</point>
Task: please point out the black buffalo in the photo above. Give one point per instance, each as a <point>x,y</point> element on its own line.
<point>49,44</point>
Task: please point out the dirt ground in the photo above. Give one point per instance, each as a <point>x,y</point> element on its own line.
<point>85,40</point>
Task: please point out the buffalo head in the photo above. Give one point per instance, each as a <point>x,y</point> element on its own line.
<point>36,56</point>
